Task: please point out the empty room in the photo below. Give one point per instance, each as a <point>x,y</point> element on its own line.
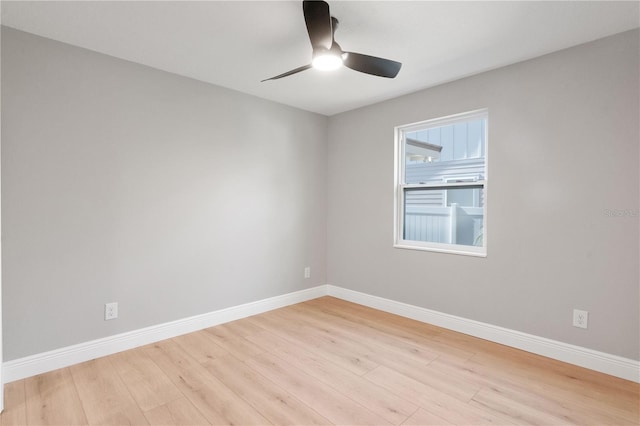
<point>309,212</point>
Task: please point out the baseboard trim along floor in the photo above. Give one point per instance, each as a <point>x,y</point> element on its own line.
<point>594,360</point>
<point>70,355</point>
<point>599,361</point>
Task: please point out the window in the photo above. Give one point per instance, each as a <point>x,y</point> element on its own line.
<point>441,184</point>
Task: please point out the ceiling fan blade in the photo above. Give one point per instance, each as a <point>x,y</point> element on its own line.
<point>371,64</point>
<point>288,73</point>
<point>318,20</point>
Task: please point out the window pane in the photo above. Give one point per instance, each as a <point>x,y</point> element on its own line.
<point>441,215</point>
<point>446,153</point>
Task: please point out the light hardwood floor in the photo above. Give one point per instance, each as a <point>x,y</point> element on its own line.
<point>325,361</point>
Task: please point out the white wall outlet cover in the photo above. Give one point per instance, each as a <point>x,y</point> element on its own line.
<point>580,318</point>
<point>110,311</point>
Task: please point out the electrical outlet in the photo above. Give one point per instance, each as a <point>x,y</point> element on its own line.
<point>110,311</point>
<point>580,318</point>
<point>307,272</point>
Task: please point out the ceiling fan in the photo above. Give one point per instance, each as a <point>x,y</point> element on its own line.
<point>328,55</point>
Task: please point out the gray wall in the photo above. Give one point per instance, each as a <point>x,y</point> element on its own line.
<point>562,150</point>
<point>170,196</point>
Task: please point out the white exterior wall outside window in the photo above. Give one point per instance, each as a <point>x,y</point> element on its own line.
<point>441,184</point>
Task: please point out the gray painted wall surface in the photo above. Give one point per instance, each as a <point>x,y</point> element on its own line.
<point>562,128</point>
<point>170,196</point>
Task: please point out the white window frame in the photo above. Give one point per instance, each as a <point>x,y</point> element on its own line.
<point>401,187</point>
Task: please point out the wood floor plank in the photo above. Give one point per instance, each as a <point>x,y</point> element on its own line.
<point>52,398</point>
<point>532,387</point>
<point>243,327</point>
<point>130,415</point>
<point>393,325</point>
<point>570,376</point>
<point>312,340</point>
<point>424,418</point>
<point>225,337</point>
<point>469,343</point>
<point>201,345</point>
<point>468,371</point>
<point>451,385</point>
<point>451,409</point>
<point>374,317</point>
<point>333,345</point>
<point>105,398</point>
<point>322,398</point>
<point>401,356</point>
<point>380,401</point>
<point>383,344</point>
<point>277,405</point>
<point>147,383</point>
<point>221,406</point>
<point>515,411</point>
<point>523,403</point>
<point>569,384</point>
<point>181,368</point>
<point>15,406</point>
<point>217,403</point>
<point>177,412</point>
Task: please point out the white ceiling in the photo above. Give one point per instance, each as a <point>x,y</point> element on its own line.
<point>236,44</point>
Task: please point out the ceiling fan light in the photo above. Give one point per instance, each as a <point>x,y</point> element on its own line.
<point>326,61</point>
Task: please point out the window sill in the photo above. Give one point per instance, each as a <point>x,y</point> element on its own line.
<point>441,250</point>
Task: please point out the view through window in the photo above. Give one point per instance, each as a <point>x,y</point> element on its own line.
<point>441,184</point>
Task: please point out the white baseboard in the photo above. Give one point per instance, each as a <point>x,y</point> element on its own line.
<point>64,357</point>
<point>599,361</point>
